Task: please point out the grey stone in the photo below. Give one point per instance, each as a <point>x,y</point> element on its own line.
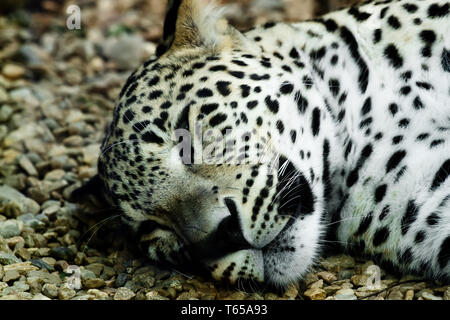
<point>8,258</point>
<point>11,228</point>
<point>25,204</point>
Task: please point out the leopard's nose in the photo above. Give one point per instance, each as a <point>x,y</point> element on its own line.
<point>226,238</point>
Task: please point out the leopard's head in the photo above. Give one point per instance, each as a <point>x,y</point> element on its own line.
<point>192,154</point>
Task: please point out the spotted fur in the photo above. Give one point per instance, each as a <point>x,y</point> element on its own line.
<point>354,105</point>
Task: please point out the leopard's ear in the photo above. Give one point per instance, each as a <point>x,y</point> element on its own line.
<point>193,24</point>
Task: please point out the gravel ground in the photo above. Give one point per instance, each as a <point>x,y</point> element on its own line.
<point>57,92</point>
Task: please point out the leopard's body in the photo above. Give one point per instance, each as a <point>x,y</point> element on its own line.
<point>354,104</point>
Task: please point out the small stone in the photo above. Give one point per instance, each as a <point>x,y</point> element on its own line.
<point>317,284</point>
<point>27,165</point>
<point>66,292</point>
<point>310,278</point>
<point>409,295</point>
<point>40,296</point>
<point>21,267</point>
<point>447,294</point>
<point>62,253</point>
<point>93,283</point>
<point>25,204</point>
<point>5,113</point>
<point>123,293</point>
<point>395,294</point>
<point>428,296</point>
<point>41,264</point>
<point>327,276</point>
<point>11,276</point>
<point>191,295</point>
<point>315,294</point>
<point>98,295</point>
<point>45,276</point>
<point>23,253</point>
<point>11,228</point>
<point>291,292</point>
<point>96,268</point>
<point>154,295</point>
<point>35,284</point>
<point>13,71</point>
<point>8,258</point>
<point>50,290</point>
<point>345,294</point>
<point>121,279</point>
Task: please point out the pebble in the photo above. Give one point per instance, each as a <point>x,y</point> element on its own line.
<point>11,276</point>
<point>99,295</point>
<point>345,294</point>
<point>154,295</point>
<point>21,267</point>
<point>27,165</point>
<point>50,290</point>
<point>13,71</point>
<point>446,295</point>
<point>92,283</point>
<point>66,292</point>
<point>123,293</point>
<point>315,294</point>
<point>428,296</point>
<point>409,294</point>
<point>327,276</point>
<point>11,228</point>
<point>25,204</point>
<point>62,253</point>
<point>291,292</point>
<point>40,296</point>
<point>8,258</point>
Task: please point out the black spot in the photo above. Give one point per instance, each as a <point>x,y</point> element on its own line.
<point>258,77</point>
<point>422,136</point>
<point>315,123</point>
<point>186,87</point>
<point>380,192</point>
<point>393,55</point>
<point>364,225</point>
<point>302,102</point>
<point>393,108</point>
<point>146,109</point>
<point>218,68</point>
<point>326,170</point>
<point>441,175</point>
<point>384,212</point>
<point>433,219</point>
<point>354,174</point>
<point>217,119</point>
<point>151,137</point>
<point>444,253</point>
<point>334,86</point>
<point>222,87</point>
<point>366,106</point>
<point>204,93</point>
<point>237,74</point>
<point>252,104</point>
<point>166,105</point>
<point>334,60</point>
<point>411,8</point>
<point>280,126</point>
<point>271,104</point>
<point>405,90</point>
<point>294,54</point>
<point>380,236</point>
<point>417,103</point>
<point>208,108</point>
<point>445,60</point>
<point>239,62</point>
<point>437,11</point>
<point>395,160</point>
<point>403,123</point>
<point>420,236</point>
<point>377,36</point>
<point>405,257</point>
<point>183,119</point>
<point>424,85</point>
<point>128,116</point>
<point>349,39</point>
<point>409,217</point>
<point>359,15</point>
<point>154,94</point>
<point>138,127</point>
<point>293,135</point>
<point>383,12</point>
<point>286,88</point>
<point>394,22</point>
<point>397,139</point>
<point>245,90</point>
<point>436,142</point>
